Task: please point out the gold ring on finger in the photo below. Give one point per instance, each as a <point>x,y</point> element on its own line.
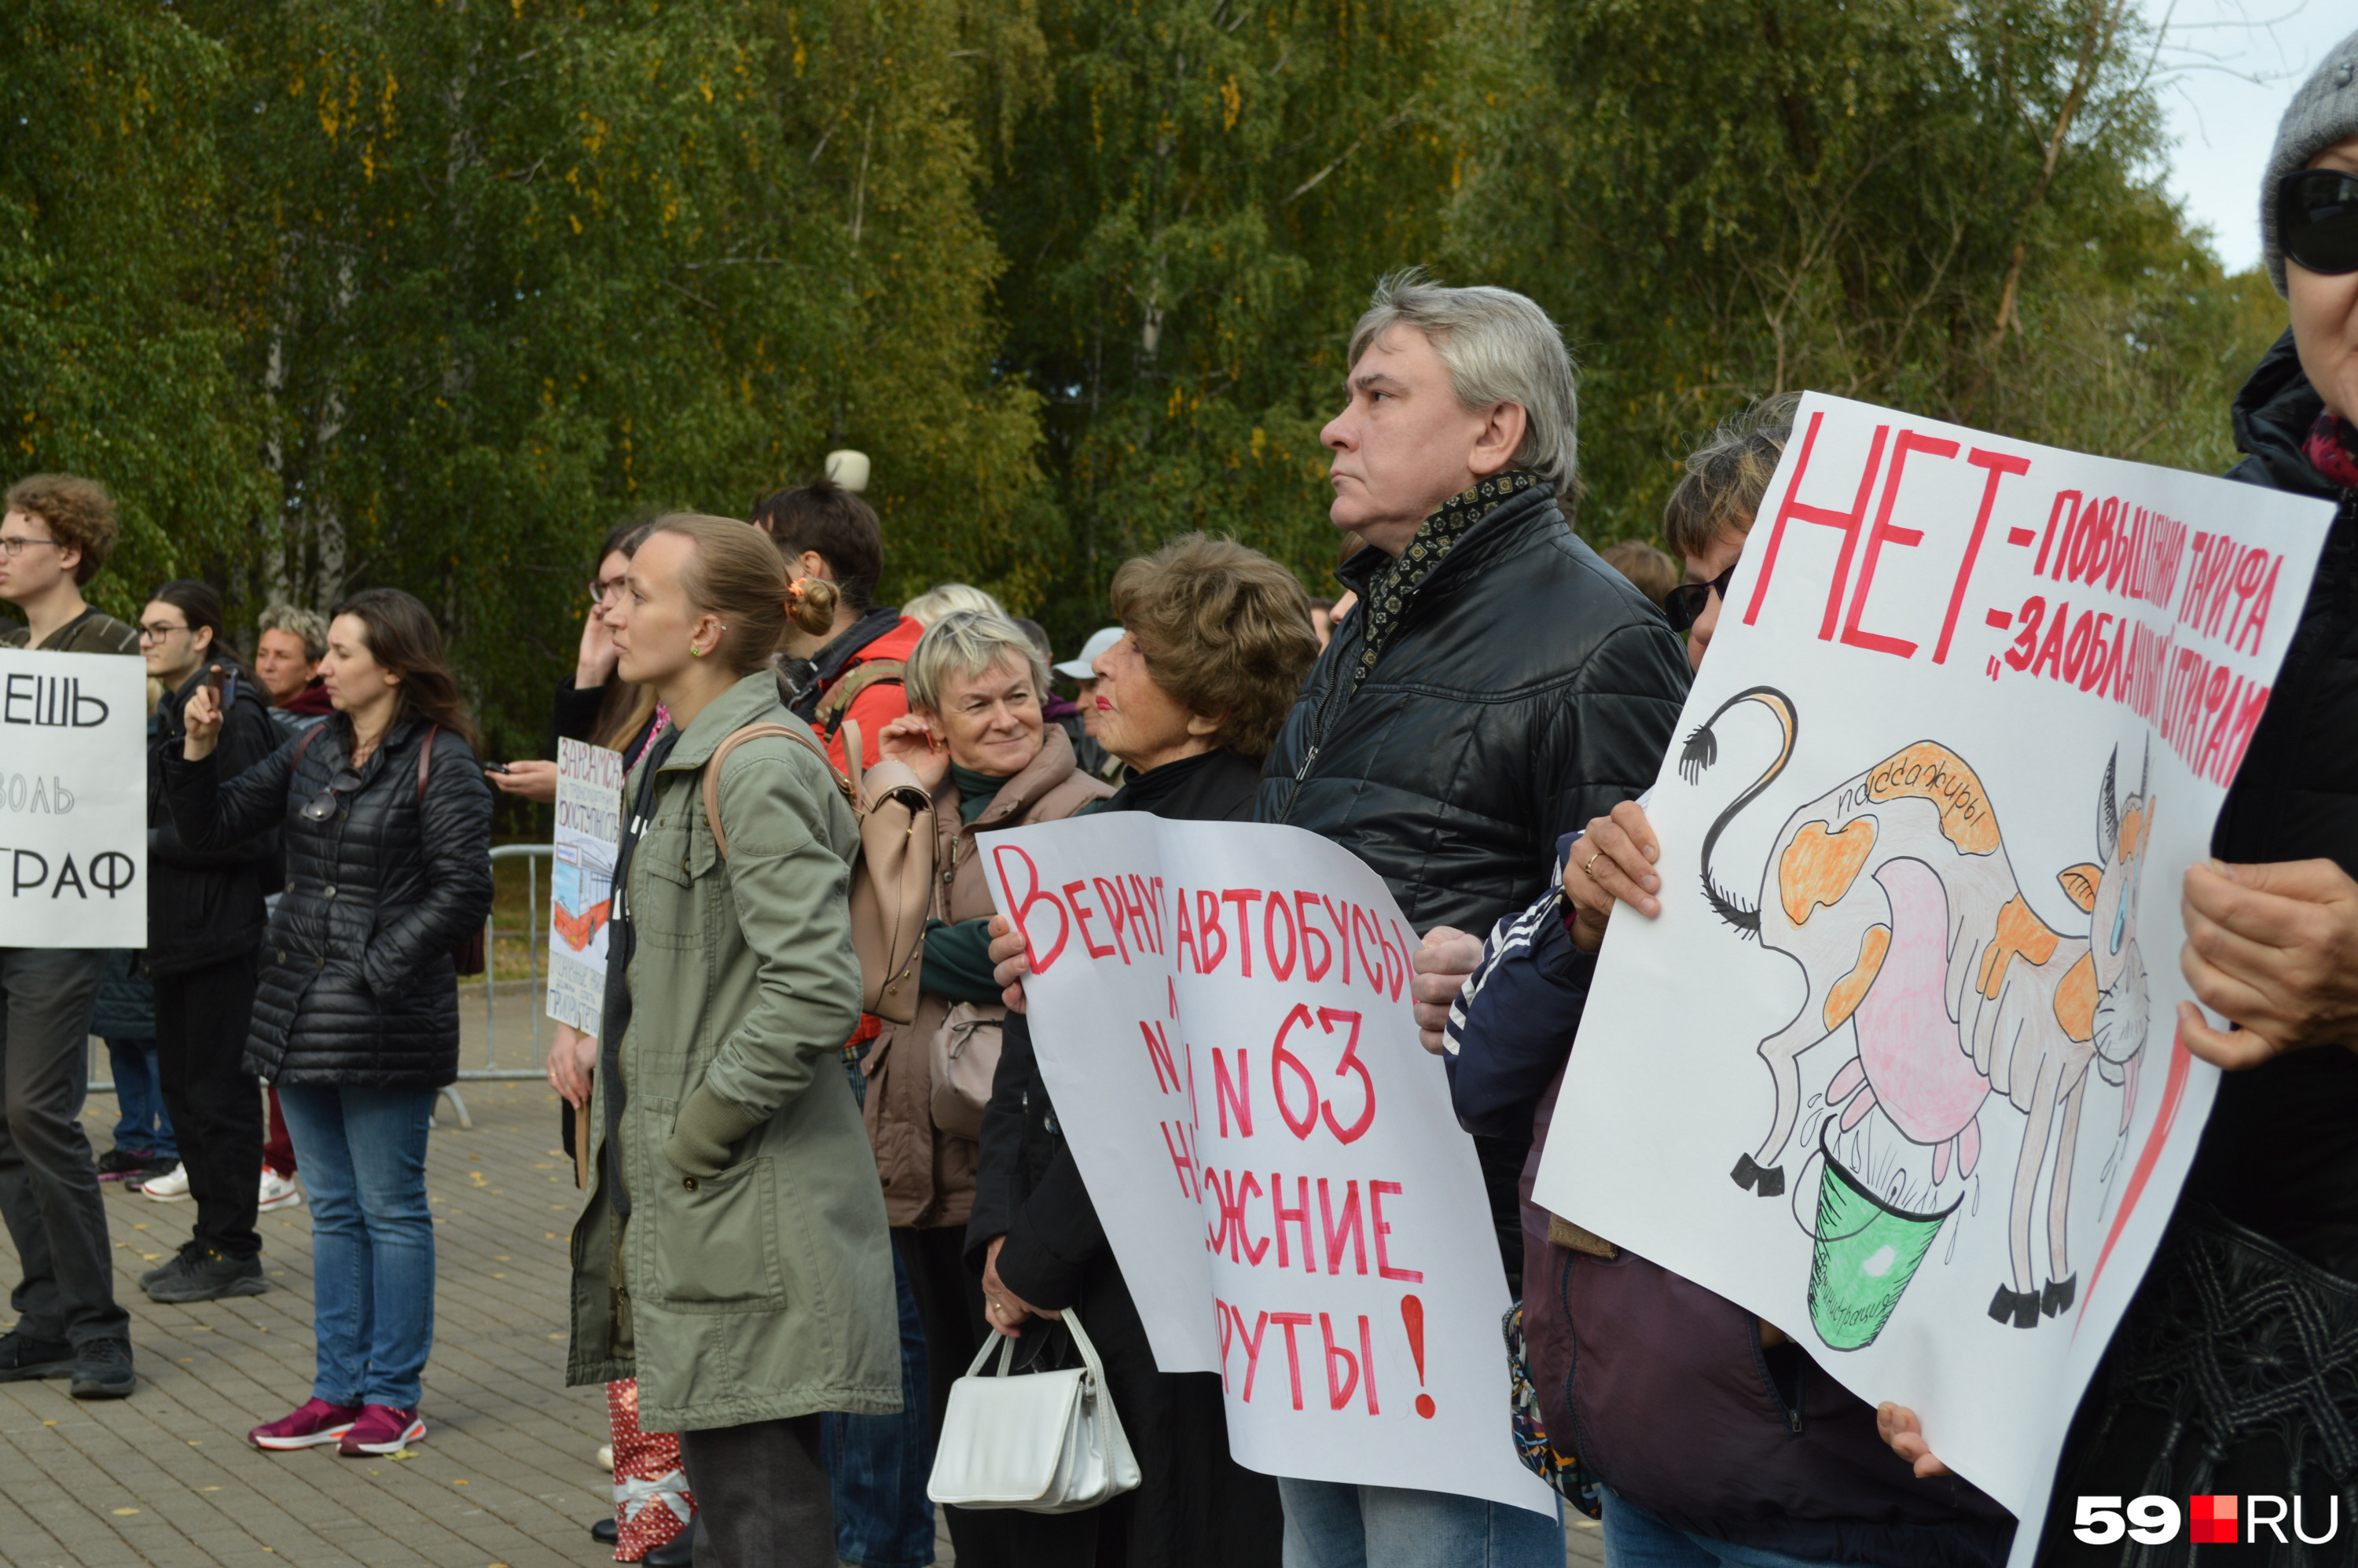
<point>1588,866</point>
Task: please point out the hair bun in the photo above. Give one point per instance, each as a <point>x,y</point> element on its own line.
<point>810,603</point>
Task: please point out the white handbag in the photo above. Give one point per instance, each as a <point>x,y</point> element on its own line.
<point>1047,1442</point>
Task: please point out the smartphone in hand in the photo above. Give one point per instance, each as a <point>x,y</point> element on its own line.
<point>495,767</point>
<point>217,682</point>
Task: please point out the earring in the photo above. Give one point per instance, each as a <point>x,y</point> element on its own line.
<point>694,652</point>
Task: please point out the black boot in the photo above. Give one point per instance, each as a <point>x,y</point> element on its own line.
<point>679,1551</point>
<point>606,1532</point>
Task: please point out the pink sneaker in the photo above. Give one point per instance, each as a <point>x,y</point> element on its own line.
<point>381,1430</point>
<point>315,1422</point>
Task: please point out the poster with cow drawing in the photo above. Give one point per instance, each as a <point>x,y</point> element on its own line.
<point>1971,710</point>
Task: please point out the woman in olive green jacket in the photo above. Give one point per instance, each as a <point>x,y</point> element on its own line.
<point>734,1254</point>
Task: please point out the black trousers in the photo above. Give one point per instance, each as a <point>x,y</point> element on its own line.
<point>48,1179</point>
<point>763,1499</point>
<point>949,1305</point>
<point>201,1018</point>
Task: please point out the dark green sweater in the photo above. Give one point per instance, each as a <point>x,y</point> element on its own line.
<point>956,964</point>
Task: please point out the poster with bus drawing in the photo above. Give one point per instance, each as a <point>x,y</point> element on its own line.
<point>1971,710</point>
<point>588,827</point>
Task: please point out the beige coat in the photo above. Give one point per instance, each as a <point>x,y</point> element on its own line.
<point>929,1174</point>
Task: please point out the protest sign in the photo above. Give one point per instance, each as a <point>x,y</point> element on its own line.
<point>581,886</point>
<point>1970,711</point>
<point>1220,1011</point>
<point>73,799</point>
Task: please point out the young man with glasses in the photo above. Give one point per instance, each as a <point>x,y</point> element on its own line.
<point>205,924</point>
<point>55,532</point>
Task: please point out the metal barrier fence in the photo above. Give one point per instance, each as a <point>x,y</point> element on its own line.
<point>531,855</point>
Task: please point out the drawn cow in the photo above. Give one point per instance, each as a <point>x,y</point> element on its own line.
<point>1894,894</point>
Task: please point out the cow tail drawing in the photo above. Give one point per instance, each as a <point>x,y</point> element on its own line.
<point>1701,751</point>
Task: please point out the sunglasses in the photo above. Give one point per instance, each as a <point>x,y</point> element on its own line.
<point>347,779</point>
<point>1684,604</point>
<point>2317,220</point>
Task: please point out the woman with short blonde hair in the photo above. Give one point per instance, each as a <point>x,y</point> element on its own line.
<point>977,743</point>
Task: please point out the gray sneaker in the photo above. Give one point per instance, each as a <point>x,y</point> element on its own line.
<point>102,1370</point>
<point>206,1274</point>
<point>187,1248</point>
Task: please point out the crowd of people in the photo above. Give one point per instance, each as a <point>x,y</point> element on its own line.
<point>825,1171</point>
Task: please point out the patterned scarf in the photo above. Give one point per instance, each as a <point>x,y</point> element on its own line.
<point>2332,450</point>
<point>1391,589</point>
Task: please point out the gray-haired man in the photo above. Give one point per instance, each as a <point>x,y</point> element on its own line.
<point>1499,686</point>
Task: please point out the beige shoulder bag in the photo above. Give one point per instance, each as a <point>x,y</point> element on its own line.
<point>891,885</point>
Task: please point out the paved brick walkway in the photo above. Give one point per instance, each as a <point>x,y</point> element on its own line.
<point>504,1474</point>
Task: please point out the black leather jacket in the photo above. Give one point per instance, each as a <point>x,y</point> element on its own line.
<point>1528,690</point>
<point>357,986</point>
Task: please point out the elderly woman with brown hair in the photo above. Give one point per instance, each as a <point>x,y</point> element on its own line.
<point>1216,639</point>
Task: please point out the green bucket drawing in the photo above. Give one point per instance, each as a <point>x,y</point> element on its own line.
<point>1866,1252</point>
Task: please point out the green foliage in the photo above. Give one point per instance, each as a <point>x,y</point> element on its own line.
<point>1942,205</point>
<point>111,348</point>
<point>512,272</point>
<point>1194,220</point>
<point>338,293</point>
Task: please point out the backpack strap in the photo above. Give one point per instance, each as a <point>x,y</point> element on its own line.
<point>730,741</point>
<point>843,693</point>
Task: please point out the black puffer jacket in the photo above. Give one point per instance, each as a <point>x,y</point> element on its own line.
<point>1528,688</point>
<point>357,983</point>
<point>205,905</point>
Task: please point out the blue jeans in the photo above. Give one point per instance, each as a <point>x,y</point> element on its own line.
<point>363,1158</point>
<point>879,1463</point>
<point>145,1127</point>
<point>1331,1524</point>
<point>1637,1538</point>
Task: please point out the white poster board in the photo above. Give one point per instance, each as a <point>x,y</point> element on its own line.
<point>1221,1014</point>
<point>73,799</point>
<point>581,883</point>
<point>1969,710</point>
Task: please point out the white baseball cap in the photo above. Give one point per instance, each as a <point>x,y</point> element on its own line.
<point>1083,667</point>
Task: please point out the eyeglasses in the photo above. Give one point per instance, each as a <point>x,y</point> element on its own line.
<point>2317,220</point>
<point>347,780</point>
<point>603,590</point>
<point>12,545</point>
<point>156,631</point>
<point>1684,604</point>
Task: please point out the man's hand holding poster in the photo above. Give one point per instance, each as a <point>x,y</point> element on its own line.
<point>1971,710</point>
<point>1221,1013</point>
<point>74,795</point>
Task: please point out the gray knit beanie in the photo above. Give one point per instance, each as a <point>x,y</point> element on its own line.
<point>2323,112</point>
